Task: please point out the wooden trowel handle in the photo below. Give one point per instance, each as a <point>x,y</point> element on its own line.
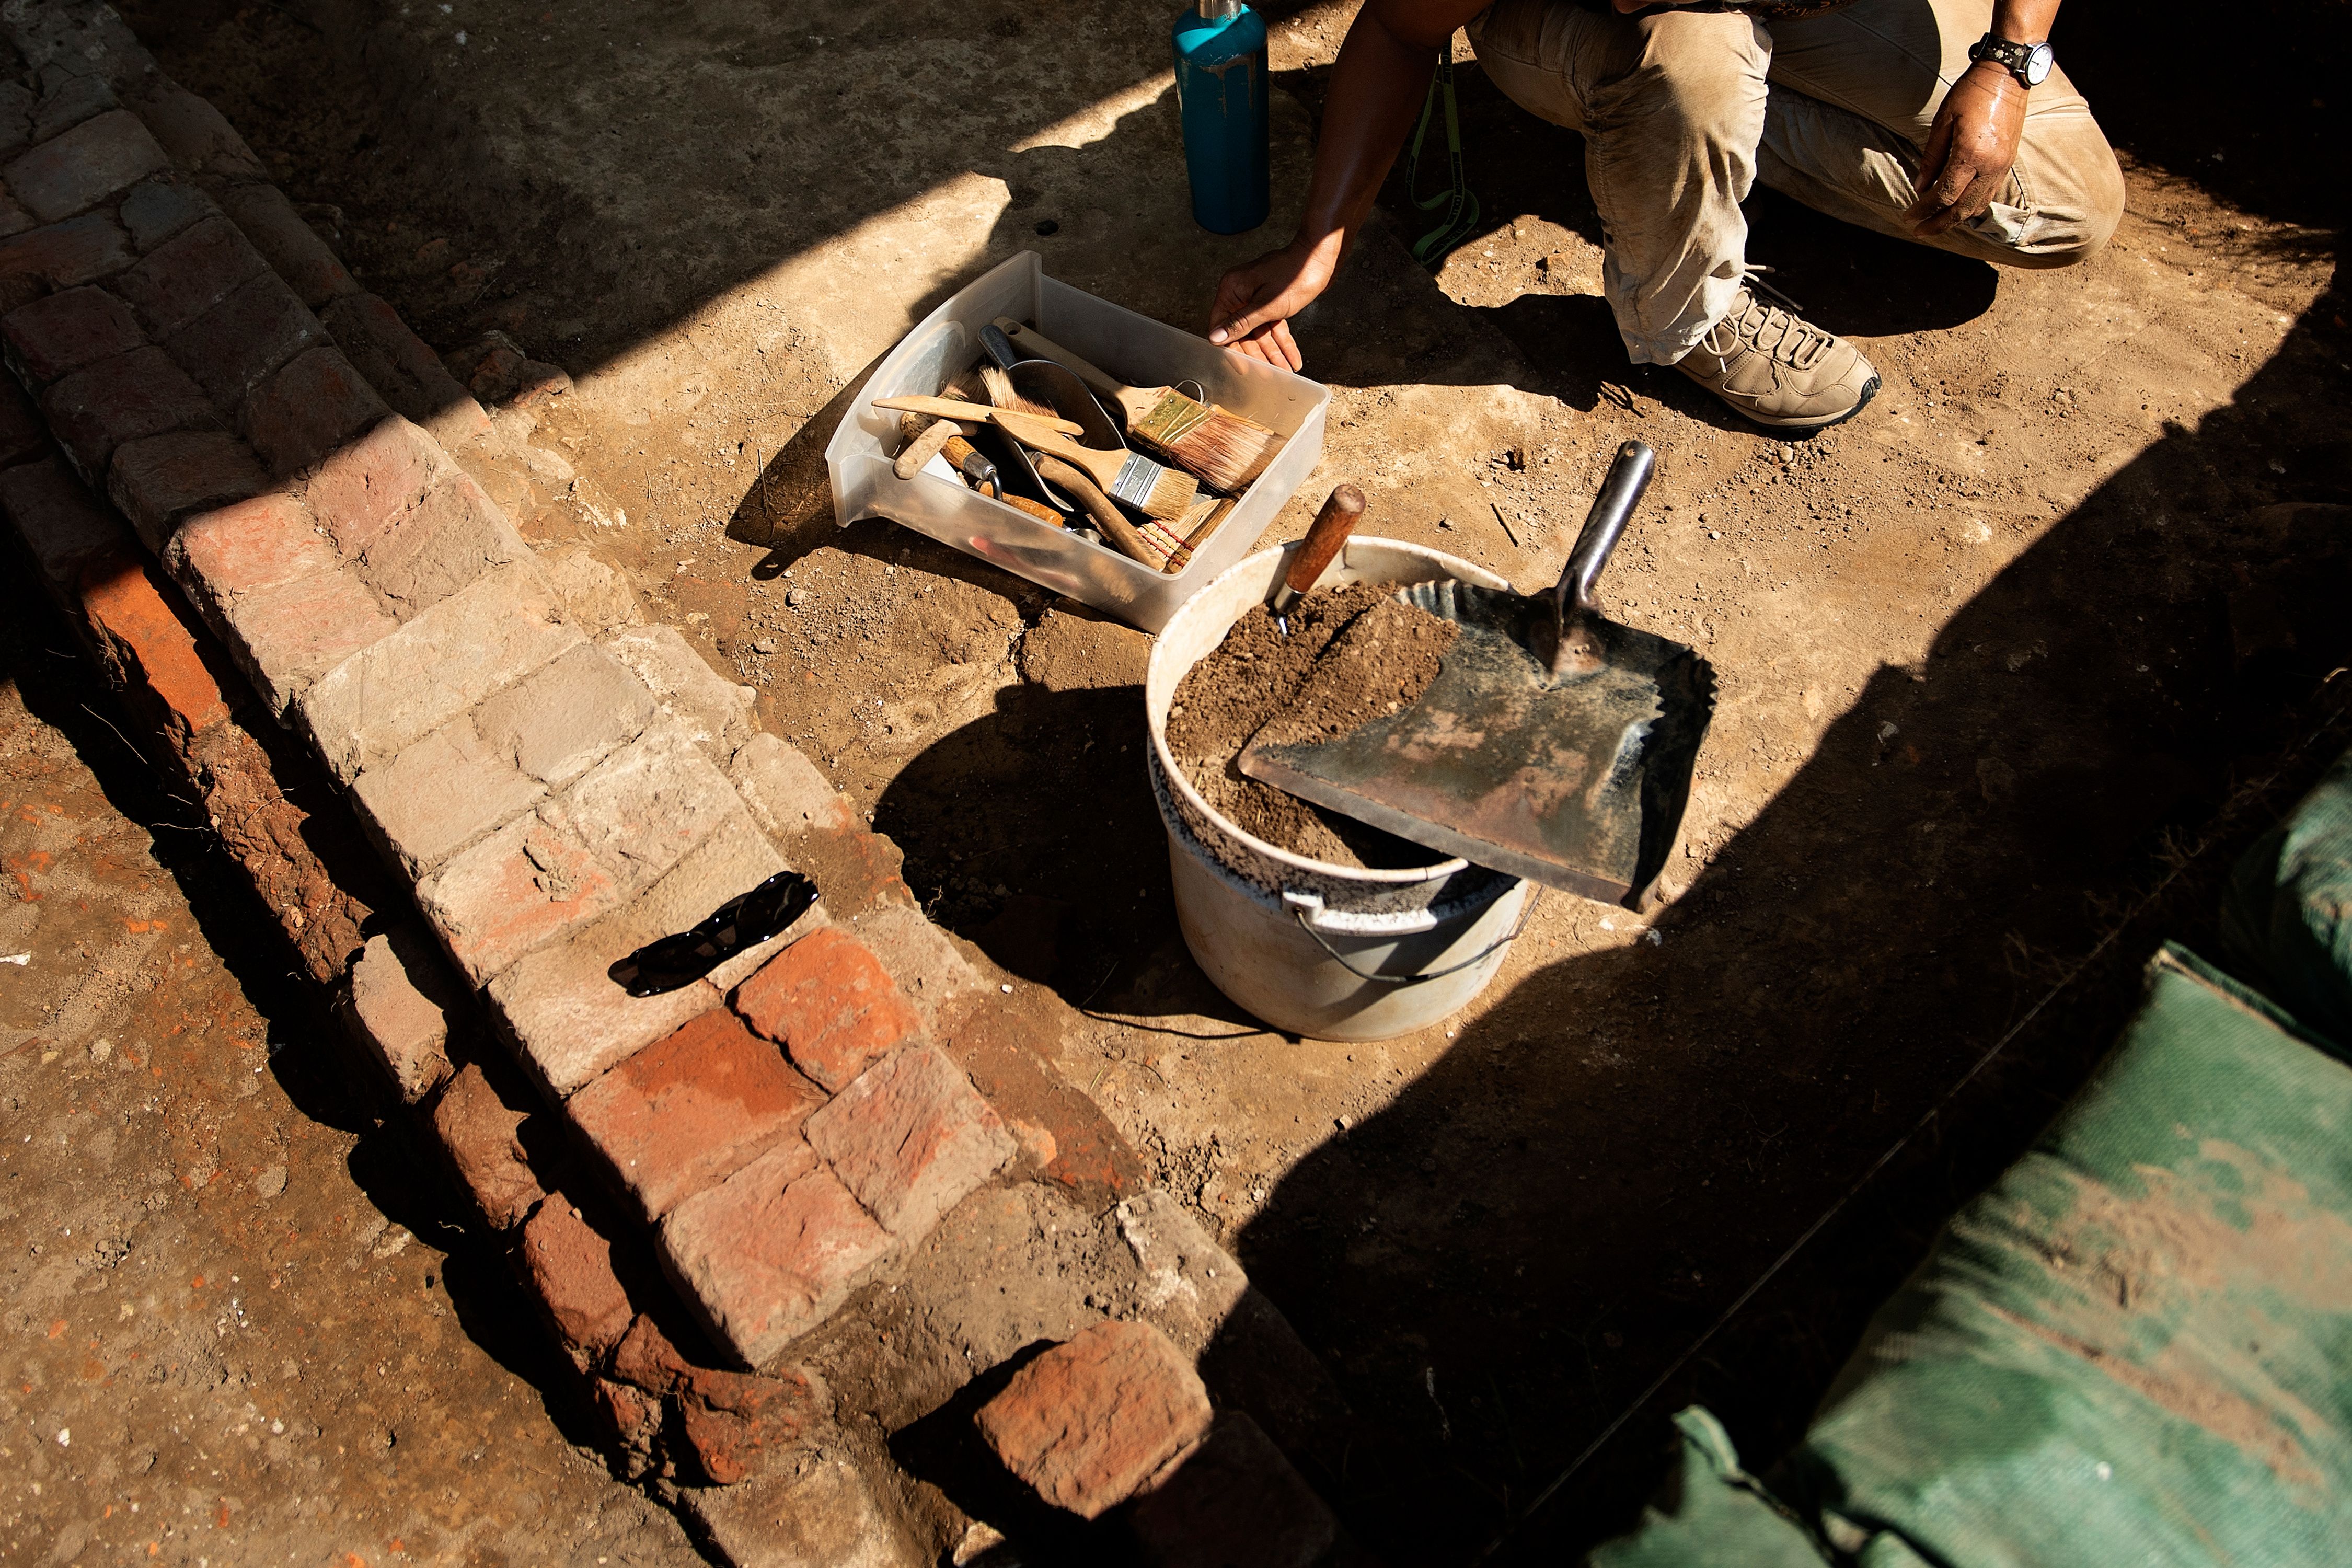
<point>1341,512</point>
<point>1629,475</point>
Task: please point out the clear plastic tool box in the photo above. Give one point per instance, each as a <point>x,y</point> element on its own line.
<point>1139,350</point>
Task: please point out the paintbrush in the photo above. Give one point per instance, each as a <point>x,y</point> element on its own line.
<point>977,414</point>
<point>1001,394</point>
<point>1155,491</point>
<point>1225,449</point>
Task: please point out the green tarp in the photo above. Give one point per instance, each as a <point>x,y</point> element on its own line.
<point>2136,1347</point>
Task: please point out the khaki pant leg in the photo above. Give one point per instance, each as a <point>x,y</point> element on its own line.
<point>1854,94</point>
<point>1672,107</point>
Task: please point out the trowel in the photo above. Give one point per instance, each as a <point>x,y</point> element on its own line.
<point>1553,745</point>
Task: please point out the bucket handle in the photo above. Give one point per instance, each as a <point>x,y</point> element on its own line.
<point>1304,907</point>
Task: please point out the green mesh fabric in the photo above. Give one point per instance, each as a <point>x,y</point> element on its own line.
<point>1711,1511</point>
<point>2286,924</point>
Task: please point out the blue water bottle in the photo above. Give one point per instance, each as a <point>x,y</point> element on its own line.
<point>1220,90</point>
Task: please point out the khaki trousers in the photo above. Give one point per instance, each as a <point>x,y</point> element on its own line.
<point>1682,111</point>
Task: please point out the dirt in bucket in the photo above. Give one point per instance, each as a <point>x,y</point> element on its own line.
<point>1383,652</point>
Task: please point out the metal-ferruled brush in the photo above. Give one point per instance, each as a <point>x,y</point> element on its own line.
<point>1130,477</point>
<point>1225,449</point>
<point>1001,395</point>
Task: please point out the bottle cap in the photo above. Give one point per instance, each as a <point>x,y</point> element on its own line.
<point>1220,10</point>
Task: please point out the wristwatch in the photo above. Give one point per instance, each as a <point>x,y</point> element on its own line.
<point>2028,63</point>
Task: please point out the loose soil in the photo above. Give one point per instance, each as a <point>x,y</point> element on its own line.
<point>1259,673</point>
<point>1381,654</point>
<point>1997,658</point>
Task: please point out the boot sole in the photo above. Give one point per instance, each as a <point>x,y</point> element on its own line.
<point>1808,421</point>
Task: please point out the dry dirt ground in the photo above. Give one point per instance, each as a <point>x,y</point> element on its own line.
<point>235,1331</point>
<point>1996,658</point>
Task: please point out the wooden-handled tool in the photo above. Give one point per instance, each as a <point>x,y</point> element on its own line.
<point>1225,450</point>
<point>1341,512</point>
<point>1097,506</point>
<point>1155,491</point>
<point>973,413</point>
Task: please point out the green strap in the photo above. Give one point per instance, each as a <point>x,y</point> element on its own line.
<point>1461,205</point>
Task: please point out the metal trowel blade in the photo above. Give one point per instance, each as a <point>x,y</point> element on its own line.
<point>1576,781</point>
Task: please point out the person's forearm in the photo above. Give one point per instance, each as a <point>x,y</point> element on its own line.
<point>2023,21</point>
<point>1377,88</point>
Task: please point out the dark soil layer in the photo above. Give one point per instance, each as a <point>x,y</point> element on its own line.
<point>1379,664</point>
<point>1258,672</point>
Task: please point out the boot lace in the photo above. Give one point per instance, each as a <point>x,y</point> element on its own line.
<point>1780,335</point>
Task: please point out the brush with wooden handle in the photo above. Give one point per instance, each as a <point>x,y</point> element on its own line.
<point>1341,512</point>
<point>1100,507</point>
<point>1225,449</point>
<point>976,412</point>
<point>1155,491</point>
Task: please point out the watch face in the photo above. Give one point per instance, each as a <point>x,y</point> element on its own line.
<point>2038,61</point>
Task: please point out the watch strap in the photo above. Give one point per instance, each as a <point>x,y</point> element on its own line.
<point>2010,54</point>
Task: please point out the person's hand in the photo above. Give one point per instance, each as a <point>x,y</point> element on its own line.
<point>1970,148</point>
<point>1251,314</point>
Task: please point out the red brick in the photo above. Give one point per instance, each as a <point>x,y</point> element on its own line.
<point>481,1135</point>
<point>732,1420</point>
<point>293,248</point>
<point>84,166</point>
<point>398,364</point>
<point>632,1421</point>
<point>645,1359</point>
<point>689,1112</point>
<point>64,255</point>
<point>831,1004</point>
<point>911,1137</point>
<point>24,434</point>
<point>1235,1499</point>
<point>143,392</point>
<point>159,480</point>
<point>183,277</point>
<point>160,209</point>
<point>1099,1418</point>
<point>762,1262</point>
<point>60,334</point>
<point>248,546</point>
<point>62,524</point>
<point>397,1002</point>
<point>570,1265</point>
<point>288,637</point>
<point>313,405</point>
<point>196,135</point>
<point>232,347</point>
<point>130,609</point>
<point>447,540</point>
<point>368,485</point>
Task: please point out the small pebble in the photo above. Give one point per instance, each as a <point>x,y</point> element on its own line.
<point>797,597</point>
<point>765,645</point>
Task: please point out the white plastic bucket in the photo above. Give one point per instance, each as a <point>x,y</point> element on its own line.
<point>1336,952</point>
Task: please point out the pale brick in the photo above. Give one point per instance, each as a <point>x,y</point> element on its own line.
<point>648,802</point>
<point>594,594</point>
<point>789,793</point>
<point>66,331</point>
<point>363,488</point>
<point>410,683</point>
<point>821,1514</point>
<point>68,99</point>
<point>563,1008</point>
<point>160,209</point>
<point>294,250</point>
<point>481,1135</point>
<point>196,135</point>
<point>523,887</point>
<point>188,275</point>
<point>1099,1417</point>
<point>159,480</point>
<point>911,1137</point>
<point>692,1109</point>
<point>716,709</point>
<point>930,970</point>
<point>398,1005</point>
<point>766,1256</point>
<point>450,538</point>
<point>232,347</point>
<point>557,723</point>
<point>440,794</point>
<point>16,101</point>
<point>286,637</point>
<point>310,408</point>
<point>84,166</point>
<point>143,392</point>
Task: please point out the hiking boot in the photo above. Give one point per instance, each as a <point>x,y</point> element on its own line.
<point>1778,368</point>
